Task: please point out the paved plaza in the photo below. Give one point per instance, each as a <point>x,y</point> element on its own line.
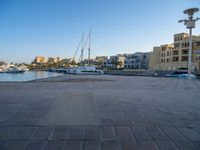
<point>100,113</point>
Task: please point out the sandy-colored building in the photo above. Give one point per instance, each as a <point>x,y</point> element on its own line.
<point>53,59</point>
<point>101,59</point>
<point>115,62</point>
<point>175,56</point>
<point>138,60</point>
<point>39,59</point>
<point>154,60</point>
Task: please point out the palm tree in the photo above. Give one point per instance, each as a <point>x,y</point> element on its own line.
<point>120,64</point>
<point>114,62</point>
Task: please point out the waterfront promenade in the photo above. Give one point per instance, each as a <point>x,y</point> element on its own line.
<point>100,113</point>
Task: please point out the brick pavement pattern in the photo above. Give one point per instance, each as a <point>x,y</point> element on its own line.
<point>100,113</point>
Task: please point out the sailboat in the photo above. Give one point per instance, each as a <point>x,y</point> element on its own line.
<point>85,69</point>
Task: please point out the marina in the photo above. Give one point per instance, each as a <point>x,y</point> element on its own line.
<point>99,75</point>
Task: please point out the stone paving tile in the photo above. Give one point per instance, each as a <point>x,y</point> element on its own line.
<point>92,133</point>
<point>156,133</point>
<point>110,145</point>
<point>184,145</point>
<point>42,133</point>
<point>190,134</point>
<point>91,145</point>
<point>119,122</point>
<point>11,122</point>
<point>196,144</point>
<point>161,113</point>
<point>148,145</point>
<point>73,145</point>
<point>108,133</point>
<point>55,145</point>
<point>124,133</point>
<point>173,133</point>
<point>25,133</point>
<point>75,133</point>
<point>141,134</point>
<point>166,145</point>
<point>59,133</point>
<point>160,122</point>
<point>7,133</point>
<point>107,121</point>
<point>13,145</point>
<point>141,121</point>
<point>35,145</point>
<point>128,145</point>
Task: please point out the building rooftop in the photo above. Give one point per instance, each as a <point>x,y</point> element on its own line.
<point>100,112</point>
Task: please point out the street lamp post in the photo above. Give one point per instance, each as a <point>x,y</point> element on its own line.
<point>190,23</point>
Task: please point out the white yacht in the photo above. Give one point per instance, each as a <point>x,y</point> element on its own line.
<point>10,68</point>
<point>85,70</point>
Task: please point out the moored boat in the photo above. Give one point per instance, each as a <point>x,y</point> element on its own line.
<point>13,69</point>
<point>85,70</point>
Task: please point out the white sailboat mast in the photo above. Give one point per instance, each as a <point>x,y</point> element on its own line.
<point>82,49</point>
<point>89,48</point>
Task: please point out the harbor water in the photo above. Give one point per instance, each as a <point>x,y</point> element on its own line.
<point>27,76</point>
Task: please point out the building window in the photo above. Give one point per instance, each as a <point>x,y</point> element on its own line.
<point>163,48</point>
<point>176,45</point>
<point>185,45</point>
<point>174,59</point>
<point>198,43</point>
<point>184,58</point>
<point>175,52</point>
<point>185,51</point>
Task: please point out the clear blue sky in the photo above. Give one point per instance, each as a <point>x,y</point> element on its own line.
<point>53,27</point>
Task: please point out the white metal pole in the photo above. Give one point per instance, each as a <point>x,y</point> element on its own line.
<point>82,49</point>
<point>190,55</point>
<point>89,48</point>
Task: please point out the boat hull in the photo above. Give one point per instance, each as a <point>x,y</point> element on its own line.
<point>84,71</point>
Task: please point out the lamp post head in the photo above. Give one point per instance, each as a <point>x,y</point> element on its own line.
<point>190,22</point>
<point>191,11</point>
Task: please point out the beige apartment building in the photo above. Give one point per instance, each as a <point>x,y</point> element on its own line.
<point>154,60</point>
<point>101,59</point>
<point>175,56</point>
<point>39,59</point>
<point>53,60</point>
<point>115,62</point>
